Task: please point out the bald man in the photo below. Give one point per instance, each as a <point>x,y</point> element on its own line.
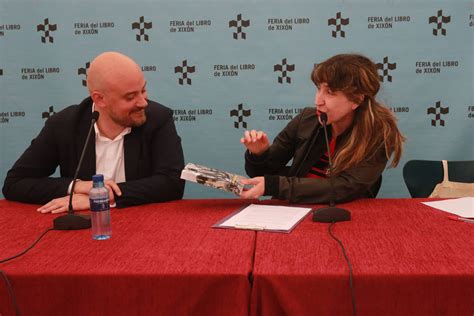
<point>136,146</point>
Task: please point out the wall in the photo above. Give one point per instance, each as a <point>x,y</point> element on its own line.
<point>234,55</point>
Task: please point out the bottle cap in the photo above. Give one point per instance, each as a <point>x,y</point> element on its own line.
<point>98,178</point>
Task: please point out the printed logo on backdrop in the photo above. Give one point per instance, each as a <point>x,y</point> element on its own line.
<point>47,29</point>
<point>240,113</point>
<point>385,68</point>
<point>439,20</point>
<point>6,117</point>
<point>232,70</point>
<point>47,114</point>
<point>400,109</point>
<point>286,24</point>
<point>435,66</point>
<point>187,114</point>
<point>438,111</point>
<point>38,73</point>
<point>386,22</point>
<point>339,22</point>
<point>149,68</point>
<point>471,20</point>
<point>141,26</point>
<point>82,71</point>
<point>470,111</point>
<point>184,70</point>
<point>91,28</point>
<point>283,113</point>
<point>239,25</point>
<point>189,25</point>
<point>8,28</point>
<point>284,68</point>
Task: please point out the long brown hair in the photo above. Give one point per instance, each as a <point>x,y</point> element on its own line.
<point>374,124</point>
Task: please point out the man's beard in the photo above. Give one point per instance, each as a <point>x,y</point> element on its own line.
<point>134,119</point>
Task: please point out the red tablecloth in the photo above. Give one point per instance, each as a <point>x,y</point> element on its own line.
<point>407,258</point>
<point>162,259</point>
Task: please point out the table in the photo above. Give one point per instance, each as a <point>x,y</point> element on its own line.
<point>165,259</point>
<point>407,259</point>
<point>162,259</point>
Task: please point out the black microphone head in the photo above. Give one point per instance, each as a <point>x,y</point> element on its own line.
<point>95,115</point>
<point>324,117</point>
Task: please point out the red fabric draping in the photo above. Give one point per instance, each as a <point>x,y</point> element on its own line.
<point>407,258</point>
<point>162,259</point>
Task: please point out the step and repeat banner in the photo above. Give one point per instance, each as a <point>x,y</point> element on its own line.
<point>228,66</point>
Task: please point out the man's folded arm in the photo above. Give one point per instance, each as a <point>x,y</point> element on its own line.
<point>29,179</point>
<point>156,188</point>
<point>34,190</point>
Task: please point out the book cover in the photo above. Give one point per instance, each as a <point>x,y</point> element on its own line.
<point>212,177</point>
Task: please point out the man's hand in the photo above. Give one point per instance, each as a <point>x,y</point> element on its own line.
<point>256,191</point>
<point>83,187</point>
<point>256,142</point>
<point>79,202</point>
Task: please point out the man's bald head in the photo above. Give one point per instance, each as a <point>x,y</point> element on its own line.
<point>107,69</point>
<point>117,88</point>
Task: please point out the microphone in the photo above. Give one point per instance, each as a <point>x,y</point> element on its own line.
<point>331,213</point>
<point>72,221</point>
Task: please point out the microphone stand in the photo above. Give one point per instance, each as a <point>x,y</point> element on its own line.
<point>72,221</point>
<point>331,213</point>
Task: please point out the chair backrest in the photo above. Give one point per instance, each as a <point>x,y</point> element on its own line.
<point>421,176</point>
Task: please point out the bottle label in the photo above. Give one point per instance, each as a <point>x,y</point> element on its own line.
<point>98,205</point>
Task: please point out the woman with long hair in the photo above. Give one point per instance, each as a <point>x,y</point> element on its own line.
<point>362,135</point>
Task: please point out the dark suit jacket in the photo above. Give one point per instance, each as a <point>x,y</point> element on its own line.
<point>153,159</point>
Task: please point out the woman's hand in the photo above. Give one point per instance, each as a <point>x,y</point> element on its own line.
<point>257,189</point>
<point>255,141</point>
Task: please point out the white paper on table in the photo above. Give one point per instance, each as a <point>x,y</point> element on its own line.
<point>265,217</point>
<point>463,207</point>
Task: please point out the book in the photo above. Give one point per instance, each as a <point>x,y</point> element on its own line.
<point>211,177</point>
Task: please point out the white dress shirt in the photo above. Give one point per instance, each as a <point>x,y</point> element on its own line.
<point>109,155</point>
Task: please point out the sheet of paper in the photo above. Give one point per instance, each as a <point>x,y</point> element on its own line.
<point>266,217</point>
<point>463,207</point>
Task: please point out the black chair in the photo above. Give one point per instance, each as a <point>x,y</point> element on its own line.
<point>421,176</point>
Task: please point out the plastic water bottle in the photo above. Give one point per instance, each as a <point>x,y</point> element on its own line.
<point>100,209</point>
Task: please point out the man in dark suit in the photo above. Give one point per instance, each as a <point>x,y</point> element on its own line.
<point>136,145</point>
